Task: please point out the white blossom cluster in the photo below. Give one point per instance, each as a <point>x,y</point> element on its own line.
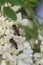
<point>9,55</point>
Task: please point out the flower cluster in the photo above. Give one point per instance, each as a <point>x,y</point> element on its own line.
<point>9,40</point>
<point>14,48</point>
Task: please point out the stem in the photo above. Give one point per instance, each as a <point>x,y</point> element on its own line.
<point>0,8</point>
<point>27,11</point>
<point>34,22</point>
<point>29,14</point>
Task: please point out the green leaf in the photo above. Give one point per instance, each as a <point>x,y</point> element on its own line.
<point>35,1</point>
<point>36,50</point>
<point>2,2</point>
<point>16,2</point>
<point>35,24</point>
<point>10,13</point>
<point>36,47</point>
<point>30,33</point>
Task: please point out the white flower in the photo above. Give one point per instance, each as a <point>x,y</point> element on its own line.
<point>42,42</point>
<point>21,62</point>
<point>9,31</point>
<point>8,56</point>
<point>6,47</point>
<point>41,46</point>
<point>26,45</point>
<point>1,51</point>
<point>7,38</point>
<point>28,52</point>
<point>22,56</point>
<point>16,8</point>
<point>37,55</point>
<point>19,17</point>
<point>41,61</point>
<point>7,24</point>
<point>24,22</point>
<point>3,62</point>
<point>40,37</point>
<point>1,41</point>
<point>28,60</point>
<point>19,39</point>
<point>20,47</point>
<point>1,32</point>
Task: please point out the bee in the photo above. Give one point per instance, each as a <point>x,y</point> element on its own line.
<point>16,30</point>
<point>14,43</point>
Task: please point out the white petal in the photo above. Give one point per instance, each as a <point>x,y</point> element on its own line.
<point>3,62</point>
